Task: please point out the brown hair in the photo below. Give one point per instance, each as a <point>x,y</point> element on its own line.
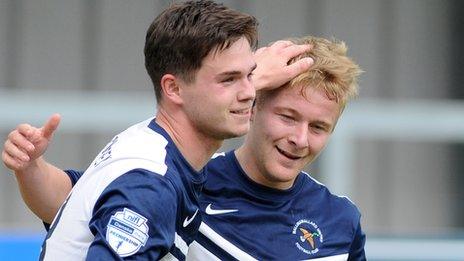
<point>184,34</point>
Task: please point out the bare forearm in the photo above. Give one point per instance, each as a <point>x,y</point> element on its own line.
<point>43,188</point>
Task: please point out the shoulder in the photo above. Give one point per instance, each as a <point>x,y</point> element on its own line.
<point>136,190</point>
<point>137,147</point>
<point>335,202</point>
<point>337,215</point>
<point>142,184</point>
<point>142,179</point>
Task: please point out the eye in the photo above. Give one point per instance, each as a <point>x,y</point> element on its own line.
<point>287,117</point>
<point>319,128</point>
<point>228,80</point>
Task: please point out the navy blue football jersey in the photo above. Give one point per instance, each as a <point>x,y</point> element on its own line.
<point>243,220</point>
<point>137,200</point>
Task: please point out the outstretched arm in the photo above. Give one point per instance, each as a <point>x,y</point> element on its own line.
<point>273,70</point>
<point>43,186</point>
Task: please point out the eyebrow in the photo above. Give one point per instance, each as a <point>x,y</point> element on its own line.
<point>231,73</point>
<point>325,124</point>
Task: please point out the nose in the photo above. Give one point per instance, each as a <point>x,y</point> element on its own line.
<point>300,136</point>
<point>247,91</point>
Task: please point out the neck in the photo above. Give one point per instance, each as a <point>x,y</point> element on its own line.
<point>196,147</point>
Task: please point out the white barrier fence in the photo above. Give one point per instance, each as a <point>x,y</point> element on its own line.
<point>398,120</point>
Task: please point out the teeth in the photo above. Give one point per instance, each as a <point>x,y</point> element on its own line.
<point>287,155</point>
<point>240,112</point>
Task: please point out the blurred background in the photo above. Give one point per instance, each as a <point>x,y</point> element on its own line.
<point>397,151</point>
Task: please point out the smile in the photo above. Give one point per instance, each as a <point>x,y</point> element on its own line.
<point>288,155</point>
<point>241,112</point>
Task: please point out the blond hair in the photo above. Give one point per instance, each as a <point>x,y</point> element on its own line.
<point>332,70</point>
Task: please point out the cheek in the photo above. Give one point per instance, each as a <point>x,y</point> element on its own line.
<point>271,134</point>
<point>210,102</point>
<point>275,128</point>
<point>262,140</point>
<point>193,98</point>
<point>319,143</point>
<point>223,100</point>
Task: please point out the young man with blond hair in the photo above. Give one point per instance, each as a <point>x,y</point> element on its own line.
<point>258,199</point>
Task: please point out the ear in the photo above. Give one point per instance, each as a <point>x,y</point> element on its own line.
<point>170,88</point>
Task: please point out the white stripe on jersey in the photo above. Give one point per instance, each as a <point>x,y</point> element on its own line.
<point>180,244</point>
<point>169,257</point>
<point>220,242</point>
<point>198,253</point>
<point>342,257</point>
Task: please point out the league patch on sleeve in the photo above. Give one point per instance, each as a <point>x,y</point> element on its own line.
<point>127,232</point>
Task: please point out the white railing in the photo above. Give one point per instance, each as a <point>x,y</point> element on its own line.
<point>429,120</point>
<point>408,120</point>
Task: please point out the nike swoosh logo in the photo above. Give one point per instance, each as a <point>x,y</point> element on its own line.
<point>188,220</point>
<point>211,211</point>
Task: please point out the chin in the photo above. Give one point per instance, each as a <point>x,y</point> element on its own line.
<point>229,134</point>
<point>240,130</point>
<point>284,174</point>
<point>285,178</point>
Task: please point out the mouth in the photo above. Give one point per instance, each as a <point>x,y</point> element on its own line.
<point>243,112</point>
<point>288,155</point>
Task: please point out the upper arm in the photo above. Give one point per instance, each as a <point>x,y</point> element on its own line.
<point>74,176</point>
<point>134,216</point>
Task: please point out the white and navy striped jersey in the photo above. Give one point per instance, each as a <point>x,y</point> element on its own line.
<point>137,200</point>
<point>243,220</point>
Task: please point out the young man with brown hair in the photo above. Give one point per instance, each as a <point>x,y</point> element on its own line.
<point>139,197</point>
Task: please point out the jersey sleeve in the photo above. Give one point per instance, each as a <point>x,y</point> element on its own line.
<point>74,175</point>
<point>134,218</point>
<point>357,247</point>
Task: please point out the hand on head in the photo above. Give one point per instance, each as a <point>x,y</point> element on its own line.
<point>26,143</point>
<point>273,70</point>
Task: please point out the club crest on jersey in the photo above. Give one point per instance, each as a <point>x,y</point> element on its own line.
<point>127,232</point>
<point>308,236</point>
